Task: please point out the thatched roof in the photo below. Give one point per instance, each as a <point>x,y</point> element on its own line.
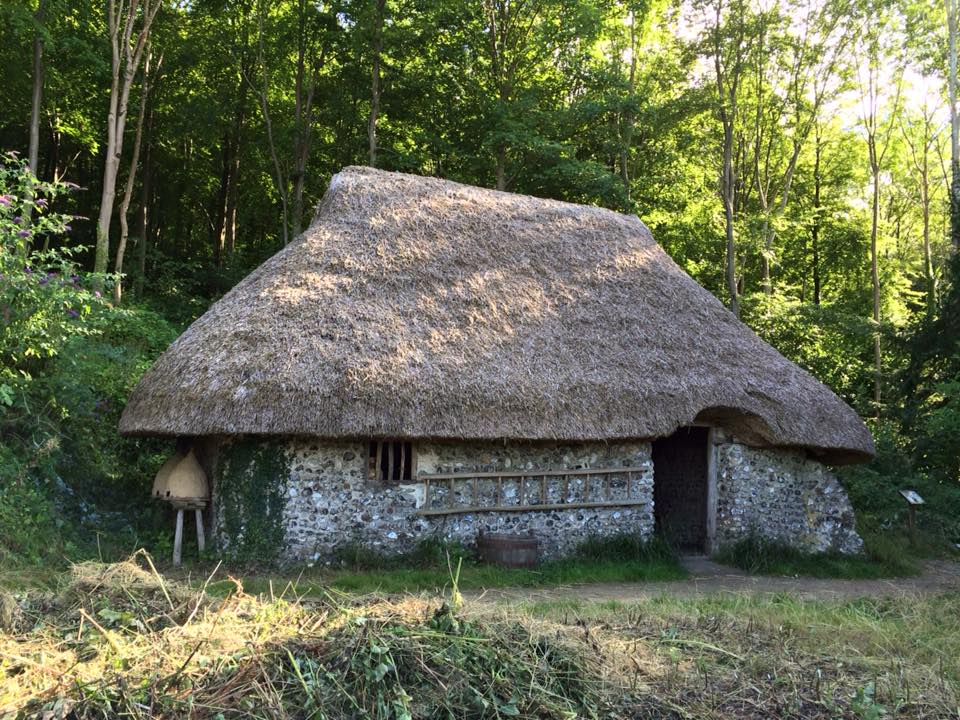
<point>420,308</point>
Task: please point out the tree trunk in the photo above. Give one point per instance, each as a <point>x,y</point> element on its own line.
<point>131,179</point>
<point>626,136</point>
<point>143,213</point>
<point>815,229</point>
<point>36,96</point>
<point>125,61</point>
<point>727,189</point>
<point>767,236</point>
<point>875,276</point>
<point>953,9</point>
<point>36,102</point>
<point>379,12</point>
<point>227,242</point>
<point>501,166</point>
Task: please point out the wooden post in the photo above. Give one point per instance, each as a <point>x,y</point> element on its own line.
<point>543,489</point>
<point>178,538</point>
<point>201,540</point>
<point>522,500</point>
<point>711,520</point>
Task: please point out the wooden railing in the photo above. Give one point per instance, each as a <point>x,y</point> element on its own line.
<point>472,492</point>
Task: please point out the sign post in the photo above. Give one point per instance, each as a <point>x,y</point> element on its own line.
<point>913,500</point>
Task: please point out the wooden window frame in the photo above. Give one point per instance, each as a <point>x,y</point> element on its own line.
<point>383,462</point>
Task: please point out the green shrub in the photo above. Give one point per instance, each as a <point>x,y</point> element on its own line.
<point>874,490</point>
<point>626,547</point>
<point>764,556</point>
<point>250,479</point>
<point>67,364</point>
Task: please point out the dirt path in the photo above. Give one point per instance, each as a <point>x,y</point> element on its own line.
<point>708,577</point>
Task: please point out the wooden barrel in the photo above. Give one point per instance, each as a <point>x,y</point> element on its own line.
<point>512,551</point>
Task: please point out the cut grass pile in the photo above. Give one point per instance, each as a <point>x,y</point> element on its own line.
<point>427,569</point>
<point>760,556</point>
<point>121,641</point>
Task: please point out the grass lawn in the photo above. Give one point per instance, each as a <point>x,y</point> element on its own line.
<point>431,565</point>
<point>315,581</point>
<point>883,557</point>
<point>754,656</point>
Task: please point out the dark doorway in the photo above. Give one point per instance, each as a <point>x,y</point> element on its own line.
<point>680,488</point>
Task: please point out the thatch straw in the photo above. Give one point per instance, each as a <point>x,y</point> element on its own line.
<point>420,308</point>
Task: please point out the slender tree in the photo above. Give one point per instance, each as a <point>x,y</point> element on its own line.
<point>36,95</point>
<point>953,10</point>
<point>128,29</point>
<point>787,111</point>
<point>728,44</point>
<point>131,178</point>
<point>920,136</point>
<point>379,11</point>
<point>873,61</point>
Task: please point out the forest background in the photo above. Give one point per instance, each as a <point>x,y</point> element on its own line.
<point>797,157</point>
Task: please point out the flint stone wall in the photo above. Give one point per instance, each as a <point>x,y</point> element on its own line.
<point>781,495</point>
<point>777,493</point>
<point>330,501</point>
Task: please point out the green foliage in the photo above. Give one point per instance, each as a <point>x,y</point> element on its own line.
<point>67,363</point>
<point>770,557</point>
<point>874,490</point>
<point>44,301</point>
<point>250,480</point>
<point>597,102</point>
<point>429,552</point>
<point>30,525</point>
<point>830,343</point>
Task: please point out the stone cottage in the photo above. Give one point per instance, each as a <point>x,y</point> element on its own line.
<point>435,359</point>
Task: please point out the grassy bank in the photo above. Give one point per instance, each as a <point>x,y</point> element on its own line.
<point>429,569</point>
<point>883,557</point>
<point>121,641</point>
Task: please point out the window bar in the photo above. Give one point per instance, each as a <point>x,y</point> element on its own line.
<point>450,494</point>
<point>543,489</point>
<point>499,489</point>
<point>476,492</point>
<point>376,462</point>
<point>426,493</point>
<point>521,500</point>
<point>586,488</point>
<point>390,454</point>
<point>403,461</point>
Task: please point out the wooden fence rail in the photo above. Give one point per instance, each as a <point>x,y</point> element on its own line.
<point>472,492</point>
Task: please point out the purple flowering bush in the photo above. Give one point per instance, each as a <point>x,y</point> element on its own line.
<point>68,361</point>
<point>45,298</point>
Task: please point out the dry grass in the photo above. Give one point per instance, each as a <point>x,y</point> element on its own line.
<point>420,308</point>
<point>121,641</point>
<point>739,656</point>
